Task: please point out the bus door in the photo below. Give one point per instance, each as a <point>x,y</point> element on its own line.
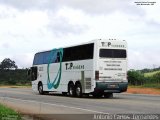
<point>32,73</point>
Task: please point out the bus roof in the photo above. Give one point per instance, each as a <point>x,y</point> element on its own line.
<point>83,43</point>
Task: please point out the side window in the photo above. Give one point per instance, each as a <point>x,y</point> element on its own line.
<point>80,52</point>
<point>58,57</point>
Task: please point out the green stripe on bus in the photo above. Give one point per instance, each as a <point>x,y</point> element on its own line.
<point>57,79</point>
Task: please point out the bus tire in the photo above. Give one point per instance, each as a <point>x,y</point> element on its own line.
<point>97,94</point>
<point>78,90</point>
<point>64,93</point>
<point>71,90</point>
<point>40,89</point>
<point>108,95</point>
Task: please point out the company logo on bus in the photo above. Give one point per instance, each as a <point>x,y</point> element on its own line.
<point>106,44</point>
<point>70,66</point>
<point>109,44</point>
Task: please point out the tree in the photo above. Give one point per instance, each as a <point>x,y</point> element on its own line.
<point>157,77</point>
<point>7,63</point>
<point>135,78</point>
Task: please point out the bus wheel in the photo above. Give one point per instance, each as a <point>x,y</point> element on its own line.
<point>108,95</point>
<point>97,94</point>
<point>78,90</point>
<point>64,93</point>
<point>40,89</point>
<point>71,90</point>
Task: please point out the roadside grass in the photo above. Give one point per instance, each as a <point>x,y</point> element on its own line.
<point>8,114</point>
<point>155,86</point>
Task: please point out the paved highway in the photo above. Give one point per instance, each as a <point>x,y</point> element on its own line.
<point>121,103</point>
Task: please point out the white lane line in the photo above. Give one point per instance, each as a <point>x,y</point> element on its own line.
<point>57,105</point>
<point>143,95</point>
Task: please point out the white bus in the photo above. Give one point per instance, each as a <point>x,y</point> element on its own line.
<point>98,67</point>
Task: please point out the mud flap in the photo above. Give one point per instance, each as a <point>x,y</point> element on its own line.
<point>82,81</point>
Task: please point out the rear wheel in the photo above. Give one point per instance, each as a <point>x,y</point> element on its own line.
<point>97,94</point>
<point>71,90</point>
<point>40,89</point>
<point>64,93</point>
<point>108,95</point>
<point>78,90</point>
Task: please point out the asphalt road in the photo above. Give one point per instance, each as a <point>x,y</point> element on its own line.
<point>57,104</point>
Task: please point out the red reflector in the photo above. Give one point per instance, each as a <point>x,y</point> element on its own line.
<point>97,75</point>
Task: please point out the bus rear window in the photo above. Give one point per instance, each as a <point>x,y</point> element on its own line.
<point>112,53</point>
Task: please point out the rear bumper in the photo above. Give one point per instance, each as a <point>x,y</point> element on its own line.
<point>111,87</point>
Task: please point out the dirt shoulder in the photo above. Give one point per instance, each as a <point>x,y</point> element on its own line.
<point>151,91</point>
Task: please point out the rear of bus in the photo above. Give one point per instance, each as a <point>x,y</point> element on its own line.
<point>111,67</point>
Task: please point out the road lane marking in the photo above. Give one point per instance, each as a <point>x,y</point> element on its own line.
<point>56,105</point>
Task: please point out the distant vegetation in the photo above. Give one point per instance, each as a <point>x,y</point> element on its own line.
<point>145,78</point>
<point>150,74</point>
<point>11,75</point>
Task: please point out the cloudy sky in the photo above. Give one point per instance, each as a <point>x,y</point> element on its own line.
<point>28,26</point>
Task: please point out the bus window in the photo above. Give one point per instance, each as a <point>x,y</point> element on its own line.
<point>81,52</point>
<point>58,57</point>
<point>112,53</point>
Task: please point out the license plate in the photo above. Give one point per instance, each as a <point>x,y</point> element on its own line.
<point>113,86</point>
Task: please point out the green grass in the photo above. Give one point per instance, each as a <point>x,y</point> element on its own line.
<point>134,86</point>
<point>156,86</point>
<point>8,114</point>
<point>150,74</point>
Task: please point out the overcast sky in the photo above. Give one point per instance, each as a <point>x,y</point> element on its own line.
<point>29,26</point>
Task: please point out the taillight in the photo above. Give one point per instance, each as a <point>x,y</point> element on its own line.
<point>97,75</point>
